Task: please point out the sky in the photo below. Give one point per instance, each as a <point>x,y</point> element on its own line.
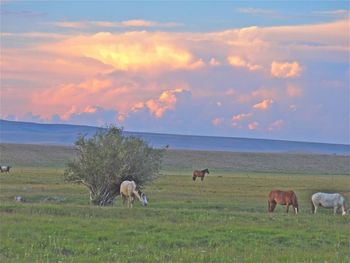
<point>252,69</point>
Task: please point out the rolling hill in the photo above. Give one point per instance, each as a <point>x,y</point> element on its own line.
<point>63,134</point>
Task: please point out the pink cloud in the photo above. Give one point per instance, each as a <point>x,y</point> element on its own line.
<point>265,93</point>
<point>217,121</point>
<point>285,69</point>
<point>166,101</point>
<point>242,116</point>
<point>214,62</point>
<point>253,126</point>
<point>241,63</point>
<point>126,23</point>
<point>263,105</point>
<point>294,91</point>
<point>72,75</point>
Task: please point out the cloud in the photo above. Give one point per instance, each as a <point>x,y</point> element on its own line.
<point>92,115</point>
<point>253,126</point>
<point>343,13</point>
<point>241,63</point>
<point>23,14</point>
<point>214,62</point>
<point>257,11</point>
<point>217,121</point>
<point>166,101</point>
<point>263,105</point>
<point>239,119</point>
<point>242,116</point>
<point>285,69</point>
<point>132,75</point>
<point>130,51</point>
<point>294,91</point>
<point>266,93</point>
<point>108,24</point>
<point>276,125</point>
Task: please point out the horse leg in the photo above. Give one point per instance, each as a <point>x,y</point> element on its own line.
<point>287,207</point>
<point>269,204</point>
<point>343,210</point>
<point>202,178</point>
<point>335,209</point>
<point>272,206</point>
<point>132,201</point>
<point>123,199</point>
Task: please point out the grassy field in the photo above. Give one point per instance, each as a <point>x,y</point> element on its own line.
<point>222,219</point>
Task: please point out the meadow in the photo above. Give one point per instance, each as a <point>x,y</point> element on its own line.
<point>222,219</point>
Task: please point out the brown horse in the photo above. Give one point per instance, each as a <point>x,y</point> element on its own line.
<point>200,174</point>
<point>286,198</point>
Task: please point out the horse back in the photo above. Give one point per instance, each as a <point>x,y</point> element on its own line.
<point>282,197</point>
<point>127,187</point>
<point>197,173</point>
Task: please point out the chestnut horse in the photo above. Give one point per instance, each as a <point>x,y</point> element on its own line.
<point>286,198</point>
<point>200,174</point>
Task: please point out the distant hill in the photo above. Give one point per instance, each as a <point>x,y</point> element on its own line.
<point>63,134</point>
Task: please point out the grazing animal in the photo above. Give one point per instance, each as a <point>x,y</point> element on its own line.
<point>19,199</point>
<point>286,198</point>
<point>200,174</point>
<point>129,190</point>
<point>328,201</point>
<point>5,168</point>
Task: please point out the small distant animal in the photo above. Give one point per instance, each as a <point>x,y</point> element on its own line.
<point>5,168</point>
<point>286,198</point>
<point>128,191</point>
<point>19,199</point>
<point>328,200</point>
<point>200,174</point>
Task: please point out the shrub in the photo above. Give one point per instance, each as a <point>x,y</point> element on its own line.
<point>108,158</point>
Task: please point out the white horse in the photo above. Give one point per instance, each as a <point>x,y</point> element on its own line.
<point>128,191</point>
<point>328,201</point>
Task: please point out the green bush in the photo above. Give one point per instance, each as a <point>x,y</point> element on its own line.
<point>107,159</point>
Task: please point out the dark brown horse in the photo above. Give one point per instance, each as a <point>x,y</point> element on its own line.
<point>200,174</point>
<point>286,198</point>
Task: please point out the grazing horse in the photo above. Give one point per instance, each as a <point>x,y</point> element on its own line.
<point>286,198</point>
<point>129,190</point>
<point>5,168</point>
<point>328,201</point>
<point>200,174</point>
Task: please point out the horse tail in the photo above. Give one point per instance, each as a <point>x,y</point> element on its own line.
<point>312,207</point>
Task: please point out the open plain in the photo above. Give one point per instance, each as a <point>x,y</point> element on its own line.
<point>222,219</point>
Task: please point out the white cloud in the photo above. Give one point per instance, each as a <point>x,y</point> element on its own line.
<point>285,69</point>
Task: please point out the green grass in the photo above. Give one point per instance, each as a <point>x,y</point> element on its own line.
<point>222,219</point>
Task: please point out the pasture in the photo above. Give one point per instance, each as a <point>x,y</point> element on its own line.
<point>222,219</point>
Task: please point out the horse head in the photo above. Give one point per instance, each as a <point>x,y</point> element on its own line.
<point>143,198</point>
<point>296,207</point>
<point>294,202</point>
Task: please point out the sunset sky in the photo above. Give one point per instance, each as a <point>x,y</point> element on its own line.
<point>255,69</point>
